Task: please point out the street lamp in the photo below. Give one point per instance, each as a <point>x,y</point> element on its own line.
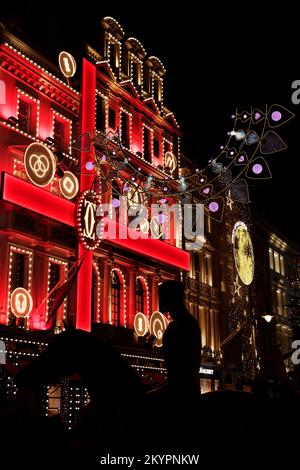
<point>268,317</point>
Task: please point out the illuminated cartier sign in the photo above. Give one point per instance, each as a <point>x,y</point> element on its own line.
<point>21,302</point>
<point>157,326</point>
<point>69,185</point>
<point>40,164</point>
<point>243,253</point>
<point>141,324</point>
<point>67,64</point>
<point>87,219</point>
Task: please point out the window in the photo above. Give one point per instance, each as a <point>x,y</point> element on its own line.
<point>207,270</point>
<point>279,301</point>
<point>54,400</point>
<point>136,73</point>
<point>196,264</point>
<point>115,299</point>
<point>139,296</point>
<point>112,118</point>
<point>271,258</point>
<point>125,129</point>
<point>24,115</point>
<point>53,279</point>
<point>100,113</point>
<point>113,56</point>
<point>156,146</point>
<point>282,265</point>
<point>27,113</point>
<point>61,132</point>
<point>276,262</point>
<point>156,90</point>
<point>58,133</point>
<point>147,144</point>
<point>57,271</point>
<point>18,271</point>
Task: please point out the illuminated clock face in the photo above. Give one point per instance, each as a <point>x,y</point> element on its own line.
<point>243,253</point>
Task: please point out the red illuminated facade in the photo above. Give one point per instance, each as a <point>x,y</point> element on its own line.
<point>119,90</point>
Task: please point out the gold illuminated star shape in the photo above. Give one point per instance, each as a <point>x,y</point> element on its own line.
<point>229,201</point>
<point>237,286</point>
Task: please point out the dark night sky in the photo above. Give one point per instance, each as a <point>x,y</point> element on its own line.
<point>216,60</point>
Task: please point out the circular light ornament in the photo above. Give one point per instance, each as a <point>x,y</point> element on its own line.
<point>213,206</point>
<point>257,168</point>
<point>158,325</point>
<point>141,324</point>
<point>170,161</point>
<point>40,164</point>
<point>69,185</point>
<point>243,252</point>
<point>67,64</point>
<point>21,302</point>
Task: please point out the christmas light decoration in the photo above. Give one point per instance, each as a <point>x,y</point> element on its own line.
<point>67,64</point>
<point>21,302</point>
<point>227,174</point>
<point>40,164</point>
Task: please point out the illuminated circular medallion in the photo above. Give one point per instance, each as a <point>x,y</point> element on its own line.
<point>158,325</point>
<point>67,64</point>
<point>141,324</point>
<point>87,219</point>
<point>21,302</point>
<point>243,253</point>
<point>69,185</point>
<point>40,164</point>
<point>170,161</point>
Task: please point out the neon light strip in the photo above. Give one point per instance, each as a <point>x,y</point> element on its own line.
<point>28,196</point>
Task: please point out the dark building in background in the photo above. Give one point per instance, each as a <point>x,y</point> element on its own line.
<point>277,291</point>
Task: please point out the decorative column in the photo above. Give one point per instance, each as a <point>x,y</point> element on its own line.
<point>132,307</point>
<point>4,280</point>
<point>84,278</point>
<point>106,297</point>
<point>155,281</point>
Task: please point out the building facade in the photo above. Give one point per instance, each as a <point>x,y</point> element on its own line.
<point>278,293</point>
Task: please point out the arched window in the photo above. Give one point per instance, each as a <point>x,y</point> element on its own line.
<point>139,296</point>
<point>115,299</point>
